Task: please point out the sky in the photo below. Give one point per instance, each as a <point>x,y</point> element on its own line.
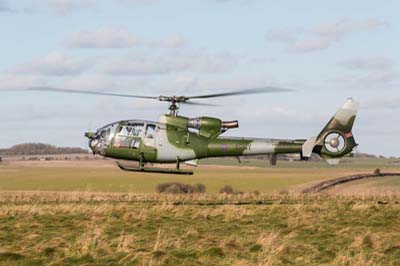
<point>326,51</point>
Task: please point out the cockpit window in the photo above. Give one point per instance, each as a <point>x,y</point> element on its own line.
<point>137,129</point>
<point>131,129</point>
<point>150,131</point>
<point>128,135</point>
<point>106,134</point>
<point>124,130</point>
<point>103,137</point>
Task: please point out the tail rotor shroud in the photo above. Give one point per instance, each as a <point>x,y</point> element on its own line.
<point>335,142</point>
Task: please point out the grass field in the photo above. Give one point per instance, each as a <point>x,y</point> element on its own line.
<point>92,213</point>
<point>373,186</point>
<point>147,229</point>
<point>105,176</point>
<point>346,163</point>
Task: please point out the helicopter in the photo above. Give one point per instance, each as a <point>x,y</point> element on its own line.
<point>178,139</point>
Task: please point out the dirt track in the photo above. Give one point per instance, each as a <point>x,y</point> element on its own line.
<point>337,181</point>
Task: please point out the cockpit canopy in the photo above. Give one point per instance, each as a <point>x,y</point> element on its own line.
<point>122,134</point>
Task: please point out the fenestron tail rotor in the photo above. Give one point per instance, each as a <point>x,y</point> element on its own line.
<point>174,101</point>
<point>335,142</point>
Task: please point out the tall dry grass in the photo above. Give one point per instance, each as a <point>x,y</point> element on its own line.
<point>205,229</point>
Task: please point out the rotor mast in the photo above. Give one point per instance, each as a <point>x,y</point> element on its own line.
<point>173,108</point>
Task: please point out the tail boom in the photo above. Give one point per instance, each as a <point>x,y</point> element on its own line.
<point>241,147</point>
<point>333,142</point>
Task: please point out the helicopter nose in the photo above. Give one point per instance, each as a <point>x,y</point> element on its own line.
<point>93,141</point>
<point>92,146</point>
<point>90,135</point>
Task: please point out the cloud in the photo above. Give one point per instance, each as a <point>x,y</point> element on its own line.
<point>4,7</point>
<point>381,77</point>
<point>103,38</point>
<point>377,72</point>
<point>67,6</point>
<point>374,79</point>
<point>280,115</point>
<point>344,27</point>
<point>322,36</point>
<point>117,38</point>
<point>284,35</point>
<point>371,63</point>
<point>142,2</point>
<point>199,62</point>
<point>34,111</point>
<point>261,60</point>
<point>311,45</point>
<point>172,41</point>
<point>383,103</point>
<point>54,64</point>
<point>100,82</point>
<point>91,82</point>
<point>18,82</point>
<point>230,1</point>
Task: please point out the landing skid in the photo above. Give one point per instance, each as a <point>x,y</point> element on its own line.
<point>154,169</point>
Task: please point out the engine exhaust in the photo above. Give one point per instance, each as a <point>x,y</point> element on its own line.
<point>230,124</point>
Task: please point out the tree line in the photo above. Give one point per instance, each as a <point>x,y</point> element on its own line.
<point>39,149</point>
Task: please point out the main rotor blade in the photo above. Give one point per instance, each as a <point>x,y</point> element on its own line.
<point>197,103</point>
<point>242,92</point>
<point>180,99</point>
<point>89,92</point>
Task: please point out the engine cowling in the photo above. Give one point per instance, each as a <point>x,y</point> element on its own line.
<point>211,127</point>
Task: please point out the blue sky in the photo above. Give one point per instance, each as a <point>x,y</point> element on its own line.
<point>326,51</point>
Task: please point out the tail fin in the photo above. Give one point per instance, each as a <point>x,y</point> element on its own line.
<point>336,139</point>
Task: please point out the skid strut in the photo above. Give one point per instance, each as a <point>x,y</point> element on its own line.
<point>141,168</point>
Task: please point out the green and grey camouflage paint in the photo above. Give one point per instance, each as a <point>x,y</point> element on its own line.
<point>179,138</point>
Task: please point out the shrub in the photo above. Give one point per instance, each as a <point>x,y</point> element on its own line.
<point>229,190</point>
<point>179,188</point>
<point>200,188</point>
<point>377,171</point>
<point>226,189</point>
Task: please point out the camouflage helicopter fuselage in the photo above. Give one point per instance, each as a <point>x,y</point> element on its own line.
<point>182,139</point>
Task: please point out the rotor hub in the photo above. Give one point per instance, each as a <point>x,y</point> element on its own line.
<point>334,143</point>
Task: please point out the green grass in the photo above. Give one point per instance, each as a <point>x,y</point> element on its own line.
<point>68,229</point>
<point>248,176</point>
<point>89,179</point>
<point>346,163</point>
